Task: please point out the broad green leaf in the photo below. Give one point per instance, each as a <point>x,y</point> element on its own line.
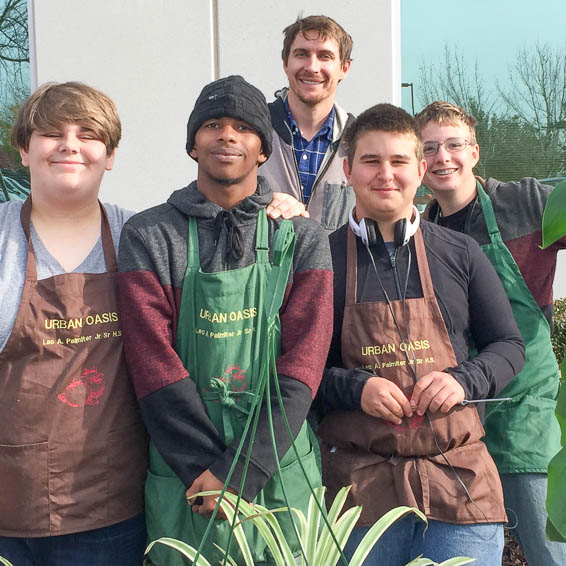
<point>186,550</point>
<point>554,217</point>
<point>330,555</point>
<point>258,518</point>
<point>238,532</point>
<point>457,561</point>
<point>325,536</point>
<point>420,561</point>
<point>310,537</point>
<point>377,529</point>
<point>229,559</point>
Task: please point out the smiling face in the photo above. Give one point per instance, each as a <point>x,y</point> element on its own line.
<point>385,174</point>
<point>66,162</point>
<point>450,171</point>
<point>314,68</point>
<point>228,152</point>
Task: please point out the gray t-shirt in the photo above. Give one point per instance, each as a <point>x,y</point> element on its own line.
<point>13,259</point>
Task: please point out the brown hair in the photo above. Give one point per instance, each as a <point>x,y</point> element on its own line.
<point>384,118</point>
<point>325,27</point>
<point>55,104</point>
<point>447,114</point>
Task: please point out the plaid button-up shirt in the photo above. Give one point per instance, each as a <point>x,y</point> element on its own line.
<point>309,154</point>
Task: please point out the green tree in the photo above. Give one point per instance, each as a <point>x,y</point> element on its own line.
<point>14,70</point>
<point>14,51</point>
<point>536,95</point>
<point>512,143</point>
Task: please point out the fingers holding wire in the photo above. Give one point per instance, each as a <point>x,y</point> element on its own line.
<point>383,399</point>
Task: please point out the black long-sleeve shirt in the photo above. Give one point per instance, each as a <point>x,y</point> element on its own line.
<point>472,301</point>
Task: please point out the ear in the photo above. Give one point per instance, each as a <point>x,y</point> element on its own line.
<point>422,169</point>
<point>347,169</point>
<point>24,156</point>
<point>262,158</point>
<point>110,160</point>
<point>345,68</point>
<point>193,154</point>
<point>475,154</point>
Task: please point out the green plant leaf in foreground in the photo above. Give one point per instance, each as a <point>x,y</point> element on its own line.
<point>554,217</point>
<point>5,562</point>
<point>186,550</point>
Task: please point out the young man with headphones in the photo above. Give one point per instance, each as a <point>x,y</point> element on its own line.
<point>400,394</point>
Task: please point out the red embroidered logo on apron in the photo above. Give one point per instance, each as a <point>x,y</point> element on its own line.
<point>85,390</point>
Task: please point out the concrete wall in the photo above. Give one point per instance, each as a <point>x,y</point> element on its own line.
<point>154,56</point>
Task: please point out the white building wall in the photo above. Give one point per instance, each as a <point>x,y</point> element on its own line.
<point>154,56</point>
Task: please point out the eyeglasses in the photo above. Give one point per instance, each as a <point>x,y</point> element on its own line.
<point>452,145</point>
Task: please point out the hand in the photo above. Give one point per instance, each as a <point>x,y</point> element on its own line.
<point>436,391</point>
<point>382,398</point>
<point>205,505</point>
<point>286,206</point>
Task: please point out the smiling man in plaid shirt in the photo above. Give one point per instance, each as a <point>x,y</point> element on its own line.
<point>307,124</point>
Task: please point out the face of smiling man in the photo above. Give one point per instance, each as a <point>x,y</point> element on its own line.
<point>228,152</point>
<point>385,174</point>
<point>449,171</point>
<point>314,68</point>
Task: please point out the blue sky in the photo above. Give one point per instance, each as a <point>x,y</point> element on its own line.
<point>489,31</point>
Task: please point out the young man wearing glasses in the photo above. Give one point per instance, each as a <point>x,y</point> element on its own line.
<point>505,219</point>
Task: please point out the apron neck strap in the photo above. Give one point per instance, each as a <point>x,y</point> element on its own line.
<point>488,213</point>
<point>422,264</point>
<point>105,232</point>
<point>352,267</point>
<point>261,238</point>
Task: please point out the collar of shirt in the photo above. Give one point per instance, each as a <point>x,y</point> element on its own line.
<point>309,155</point>
<point>326,130</point>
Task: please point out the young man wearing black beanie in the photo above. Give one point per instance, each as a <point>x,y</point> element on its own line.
<point>196,276</point>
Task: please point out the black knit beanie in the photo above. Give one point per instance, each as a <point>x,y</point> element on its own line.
<point>235,98</point>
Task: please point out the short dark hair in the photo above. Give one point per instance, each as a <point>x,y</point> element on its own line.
<point>385,118</point>
<point>446,113</point>
<point>325,27</point>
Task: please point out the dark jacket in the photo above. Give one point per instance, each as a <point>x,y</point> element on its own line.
<point>331,198</point>
<point>471,298</point>
<point>153,259</point>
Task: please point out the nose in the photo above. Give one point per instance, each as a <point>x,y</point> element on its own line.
<point>313,64</point>
<point>385,172</point>
<point>227,133</point>
<point>442,154</point>
<point>69,143</point>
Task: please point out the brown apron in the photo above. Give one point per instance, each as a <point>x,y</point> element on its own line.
<point>72,445</point>
<point>390,465</point>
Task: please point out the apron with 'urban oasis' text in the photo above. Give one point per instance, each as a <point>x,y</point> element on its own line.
<point>419,463</point>
<point>222,338</point>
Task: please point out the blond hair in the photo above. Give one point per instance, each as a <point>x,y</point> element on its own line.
<point>445,113</point>
<point>55,104</point>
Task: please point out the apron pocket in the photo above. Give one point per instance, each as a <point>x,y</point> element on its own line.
<point>24,488</point>
<point>127,468</point>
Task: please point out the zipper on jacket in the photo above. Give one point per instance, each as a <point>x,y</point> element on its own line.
<point>321,173</point>
<point>296,166</point>
<point>393,260</point>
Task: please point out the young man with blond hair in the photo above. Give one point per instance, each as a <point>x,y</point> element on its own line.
<point>307,123</point>
<point>505,218</point>
<point>73,450</point>
<point>399,391</point>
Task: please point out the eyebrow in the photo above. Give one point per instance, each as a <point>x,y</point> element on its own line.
<point>377,156</point>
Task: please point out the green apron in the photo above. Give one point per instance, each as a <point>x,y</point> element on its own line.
<point>523,434</point>
<point>223,340</point>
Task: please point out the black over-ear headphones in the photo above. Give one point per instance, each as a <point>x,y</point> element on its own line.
<point>368,230</point>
